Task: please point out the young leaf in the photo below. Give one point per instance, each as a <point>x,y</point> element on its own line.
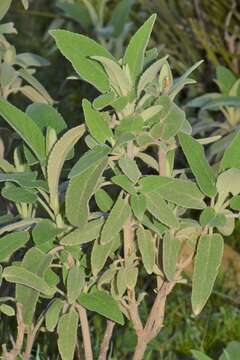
<point>160,210</point>
<point>79,192</point>
<point>124,183</point>
<point>206,265</point>
<point>146,246</point>
<point>130,169</point>
<point>198,163</point>
<point>231,156</point>
<point>102,303</point>
<point>78,49</point>
<point>171,249</point>
<point>75,283</point>
<point>183,192</point>
<point>210,218</point>
<point>96,123</point>
<point>170,125</point>
<point>56,160</point>
<point>19,275</point>
<point>67,334</point>
<point>53,313</point>
<point>44,234</point>
<point>82,236</point>
<point>135,52</point>
<point>115,221</point>
<point>11,243</point>
<point>25,127</point>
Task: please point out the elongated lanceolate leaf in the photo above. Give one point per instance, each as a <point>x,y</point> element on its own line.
<point>115,221</point>
<point>135,52</point>
<point>184,193</point>
<point>53,313</point>
<point>231,157</point>
<point>4,6</point>
<point>198,163</point>
<point>96,123</point>
<point>79,192</point>
<point>146,246</point>
<point>57,158</point>
<point>78,49</point>
<point>171,249</point>
<point>67,334</point>
<point>36,262</point>
<point>19,275</point>
<point>158,207</point>
<point>25,127</point>
<point>206,266</point>
<point>12,242</point>
<point>102,303</point>
<point>82,236</point>
<point>75,282</point>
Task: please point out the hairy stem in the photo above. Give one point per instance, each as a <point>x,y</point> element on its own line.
<point>106,340</point>
<point>85,332</point>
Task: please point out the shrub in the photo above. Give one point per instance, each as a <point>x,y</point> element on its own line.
<point>86,239</point>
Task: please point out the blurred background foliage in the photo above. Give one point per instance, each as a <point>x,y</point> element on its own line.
<point>187,30</point>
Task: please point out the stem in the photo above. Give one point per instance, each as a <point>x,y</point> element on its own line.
<point>106,340</point>
<point>13,354</point>
<point>85,332</point>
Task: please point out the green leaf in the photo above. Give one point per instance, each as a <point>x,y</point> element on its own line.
<point>231,157</point>
<point>119,16</point>
<point>88,159</point>
<point>198,163</point>
<point>116,220</point>
<point>67,334</point>
<point>99,255</point>
<point>82,236</point>
<point>11,243</point>
<point>119,80</point>
<point>76,11</point>
<point>198,355</point>
<point>231,352</point>
<point>19,195</point>
<point>210,218</point>
<point>19,275</point>
<point>206,266</point>
<point>75,283</point>
<point>53,313</point>
<point>171,249</point>
<point>102,303</point>
<point>235,203</point>
<point>103,200</point>
<point>96,123</point>
<point>222,101</point>
<point>129,168</point>
<point>124,183</point>
<point>78,49</point>
<point>138,205</point>
<point>170,125</point>
<point>160,210</point>
<point>79,192</point>
<point>229,182</point>
<point>225,79</point>
<point>146,246</point>
<point>227,227</point>
<point>36,262</point>
<point>135,52</point>
<point>45,116</point>
<point>4,6</point>
<point>104,100</point>
<point>25,127</point>
<point>183,192</point>
<point>44,234</point>
<point>57,158</point>
<point>7,310</point>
